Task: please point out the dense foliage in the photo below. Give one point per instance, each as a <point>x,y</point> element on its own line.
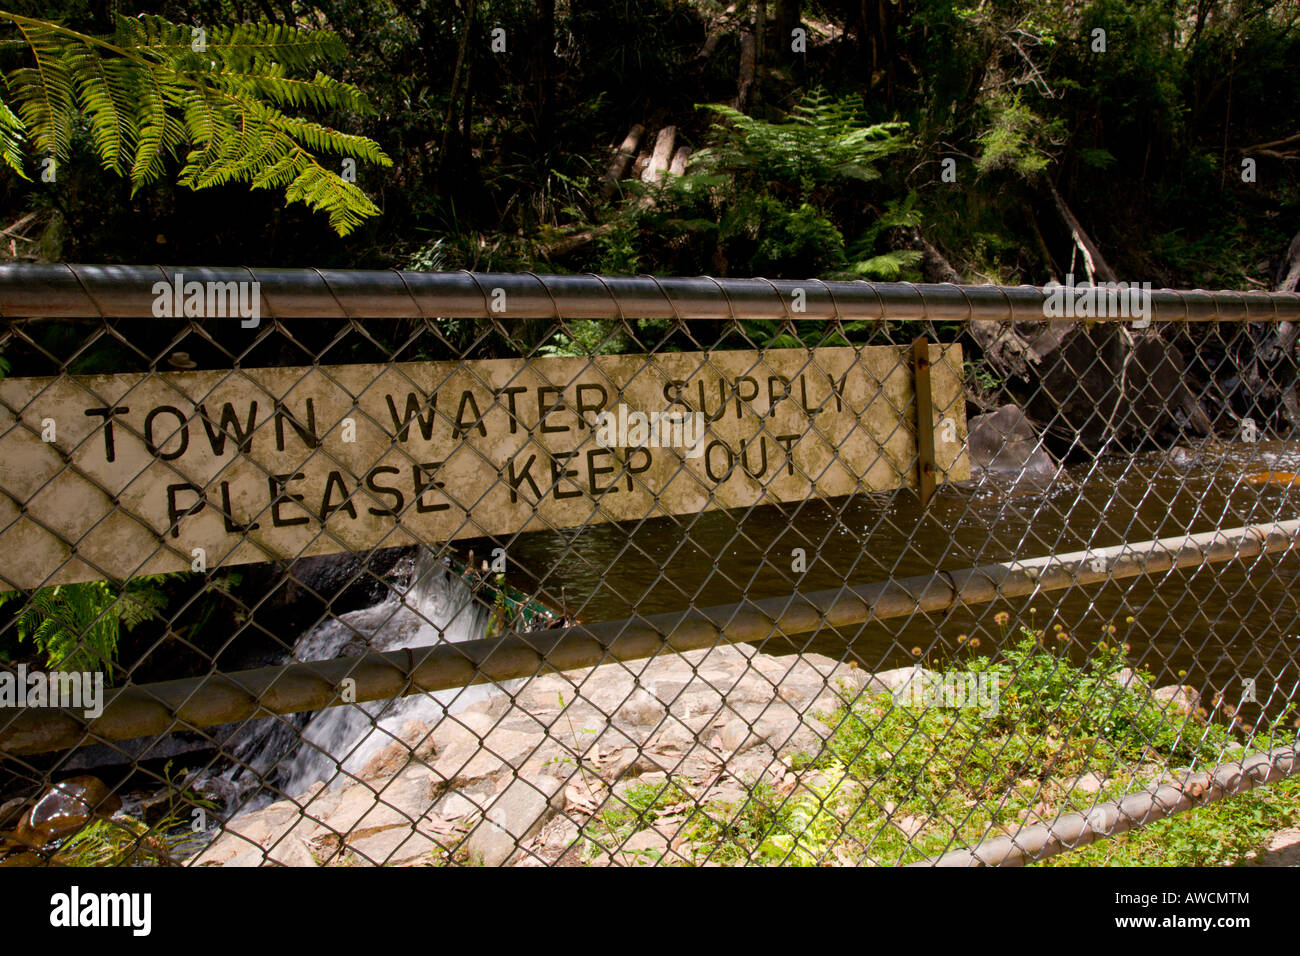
<point>501,115</point>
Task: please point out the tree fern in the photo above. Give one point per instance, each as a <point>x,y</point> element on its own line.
<point>824,140</point>
<point>148,97</point>
<point>77,626</point>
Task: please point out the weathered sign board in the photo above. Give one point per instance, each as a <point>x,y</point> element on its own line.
<point>122,475</point>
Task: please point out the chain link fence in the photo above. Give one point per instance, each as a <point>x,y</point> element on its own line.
<point>322,569</point>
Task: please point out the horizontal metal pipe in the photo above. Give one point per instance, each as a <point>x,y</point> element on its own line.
<point>87,291</point>
<point>137,711</point>
<point>1113,817</point>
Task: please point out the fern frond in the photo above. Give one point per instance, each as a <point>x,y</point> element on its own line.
<point>240,46</point>
<point>13,136</point>
<point>150,93</point>
<point>106,89</point>
<point>45,93</point>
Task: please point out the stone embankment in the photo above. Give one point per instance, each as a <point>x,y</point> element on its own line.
<point>511,778</point>
<point>514,778</point>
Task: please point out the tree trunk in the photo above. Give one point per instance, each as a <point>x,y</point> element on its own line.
<point>1094,262</point>
<point>662,156</point>
<point>618,166</point>
<point>789,14</point>
<point>542,72</point>
<point>680,159</point>
<point>745,83</point>
<point>460,70</point>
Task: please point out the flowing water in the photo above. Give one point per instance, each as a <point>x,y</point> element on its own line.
<point>437,607</point>
<point>1220,624</point>
<point>1211,626</point>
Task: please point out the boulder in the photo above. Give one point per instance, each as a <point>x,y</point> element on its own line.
<point>1178,699</point>
<point>518,813</point>
<point>1003,443</point>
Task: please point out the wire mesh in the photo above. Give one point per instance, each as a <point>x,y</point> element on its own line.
<point>766,643</point>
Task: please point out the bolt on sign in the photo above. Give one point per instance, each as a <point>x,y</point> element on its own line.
<point>111,476</point>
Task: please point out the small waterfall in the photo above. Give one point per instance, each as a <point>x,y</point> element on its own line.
<point>437,607</point>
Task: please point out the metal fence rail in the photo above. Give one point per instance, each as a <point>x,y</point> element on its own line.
<point>310,567</point>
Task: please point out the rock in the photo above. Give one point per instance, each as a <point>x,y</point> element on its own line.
<point>1178,699</point>
<point>1182,458</point>
<point>643,848</point>
<point>1104,380</point>
<point>1088,783</point>
<point>291,851</point>
<point>738,736</point>
<point>395,846</point>
<point>518,813</point>
<point>400,800</point>
<point>809,738</point>
<point>640,710</point>
<point>474,745</point>
<point>1003,443</point>
<point>65,808</point>
<point>896,681</point>
<point>1127,677</point>
<point>254,856</point>
<point>394,755</point>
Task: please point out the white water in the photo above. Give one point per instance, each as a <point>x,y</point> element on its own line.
<point>438,607</point>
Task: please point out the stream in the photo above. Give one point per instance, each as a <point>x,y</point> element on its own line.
<point>1210,627</point>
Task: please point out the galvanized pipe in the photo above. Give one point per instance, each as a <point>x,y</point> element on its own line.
<point>88,291</point>
<point>1113,817</point>
<point>137,711</point>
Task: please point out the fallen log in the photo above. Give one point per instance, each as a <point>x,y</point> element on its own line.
<point>680,158</point>
<point>661,157</point>
<point>618,166</point>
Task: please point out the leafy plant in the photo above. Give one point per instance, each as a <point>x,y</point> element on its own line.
<point>77,626</point>
<point>1014,137</point>
<point>153,91</point>
<point>823,141</point>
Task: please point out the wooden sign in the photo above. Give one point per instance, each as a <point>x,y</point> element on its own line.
<point>120,475</point>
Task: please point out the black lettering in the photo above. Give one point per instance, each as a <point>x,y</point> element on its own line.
<point>744,458</point>
<point>306,433</point>
<point>745,398</point>
<point>543,409</point>
<point>399,498</point>
<point>722,401</point>
<point>510,392</point>
<point>674,386</point>
<point>228,514</point>
<point>279,496</point>
<point>327,508</point>
<point>515,481</point>
<point>229,420</point>
<point>708,461</point>
<point>838,389</point>
<point>463,426</point>
<point>423,484</point>
<point>593,471</point>
<point>402,426</point>
<point>632,469</point>
<point>110,452</point>
<point>803,389</point>
<point>174,512</point>
<point>582,406</point>
<point>787,442</point>
<point>772,398</point>
<point>184,432</point>
<point>559,461</point>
